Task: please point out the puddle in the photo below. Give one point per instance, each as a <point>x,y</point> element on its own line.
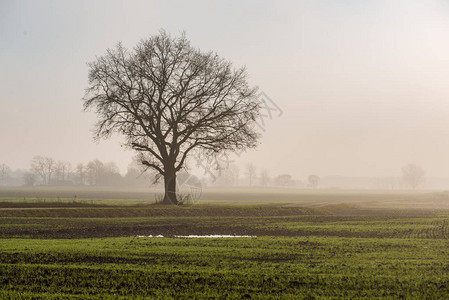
<point>151,236</point>
<point>213,236</point>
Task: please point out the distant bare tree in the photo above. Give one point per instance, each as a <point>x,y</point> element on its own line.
<point>99,173</point>
<point>5,173</point>
<point>111,167</point>
<point>234,173</point>
<point>80,173</point>
<point>43,167</point>
<point>136,175</point>
<point>314,180</point>
<point>58,171</point>
<point>264,177</point>
<point>284,180</point>
<point>94,171</point>
<point>250,172</point>
<point>413,175</point>
<point>29,179</point>
<point>61,170</point>
<point>169,99</point>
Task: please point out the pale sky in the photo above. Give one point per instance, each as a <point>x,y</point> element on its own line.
<point>363,85</point>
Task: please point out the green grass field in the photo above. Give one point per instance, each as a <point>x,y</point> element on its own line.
<point>309,245</point>
<point>263,267</point>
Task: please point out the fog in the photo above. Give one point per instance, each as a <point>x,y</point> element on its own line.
<point>358,88</point>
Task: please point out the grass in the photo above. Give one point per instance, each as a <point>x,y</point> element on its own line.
<point>263,267</point>
<point>331,249</point>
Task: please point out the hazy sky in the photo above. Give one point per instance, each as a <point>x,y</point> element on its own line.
<point>363,85</point>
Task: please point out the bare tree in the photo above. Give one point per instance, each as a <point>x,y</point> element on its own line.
<point>284,180</point>
<point>251,172</point>
<point>80,174</point>
<point>413,175</point>
<point>169,99</point>
<point>29,179</point>
<point>62,169</point>
<point>99,173</point>
<point>314,180</point>
<point>5,173</point>
<point>43,167</point>
<point>264,177</point>
<point>233,174</point>
<point>94,172</point>
<point>135,175</point>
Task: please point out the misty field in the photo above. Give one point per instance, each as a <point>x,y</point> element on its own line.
<point>303,244</point>
<point>230,196</point>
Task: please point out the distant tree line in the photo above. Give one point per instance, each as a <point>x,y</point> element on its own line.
<point>230,176</point>
<point>9,176</point>
<point>412,176</point>
<point>46,171</point>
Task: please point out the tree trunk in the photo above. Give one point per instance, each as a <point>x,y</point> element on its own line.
<point>170,187</point>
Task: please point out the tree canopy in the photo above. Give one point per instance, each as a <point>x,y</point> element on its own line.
<point>168,99</point>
